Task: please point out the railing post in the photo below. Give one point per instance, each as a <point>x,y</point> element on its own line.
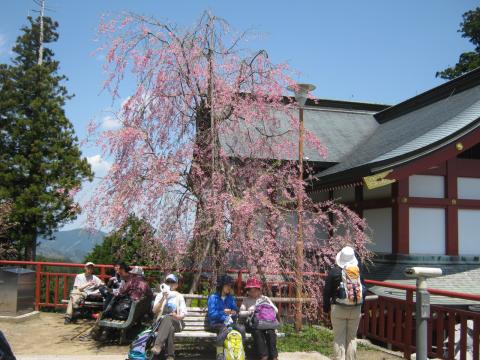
<point>239,282</point>
<point>38,270</point>
<point>102,273</point>
<point>408,324</point>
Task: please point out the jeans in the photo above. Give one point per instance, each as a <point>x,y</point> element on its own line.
<point>265,343</point>
<point>345,320</point>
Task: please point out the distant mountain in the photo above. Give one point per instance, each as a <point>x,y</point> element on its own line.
<point>71,245</point>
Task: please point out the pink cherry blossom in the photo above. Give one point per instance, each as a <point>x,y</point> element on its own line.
<point>206,154</point>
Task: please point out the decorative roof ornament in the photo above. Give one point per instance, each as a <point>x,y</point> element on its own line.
<point>378,180</point>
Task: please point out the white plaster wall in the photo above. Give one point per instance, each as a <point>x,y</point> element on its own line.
<point>468,188</point>
<point>428,186</point>
<point>344,195</point>
<point>427,231</point>
<point>468,232</point>
<point>379,222</point>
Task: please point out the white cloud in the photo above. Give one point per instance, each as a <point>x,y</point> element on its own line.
<point>99,166</point>
<point>110,123</point>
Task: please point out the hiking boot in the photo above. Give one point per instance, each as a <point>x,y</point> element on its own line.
<point>220,357</point>
<point>67,321</point>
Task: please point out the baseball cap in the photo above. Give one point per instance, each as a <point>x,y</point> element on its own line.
<point>89,263</point>
<point>172,278</point>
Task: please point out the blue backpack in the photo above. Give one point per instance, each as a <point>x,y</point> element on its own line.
<point>141,345</point>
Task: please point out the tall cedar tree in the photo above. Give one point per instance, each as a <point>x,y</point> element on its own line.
<point>470,29</point>
<point>41,164</point>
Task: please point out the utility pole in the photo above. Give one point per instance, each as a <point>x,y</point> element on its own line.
<point>40,49</point>
<point>301,92</point>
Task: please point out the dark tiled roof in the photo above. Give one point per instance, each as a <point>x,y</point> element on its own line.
<point>460,274</point>
<point>340,127</point>
<point>413,132</point>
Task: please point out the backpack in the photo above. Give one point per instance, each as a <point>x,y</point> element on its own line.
<point>350,290</point>
<point>264,317</point>
<point>141,345</point>
<point>121,308</point>
<point>233,346</point>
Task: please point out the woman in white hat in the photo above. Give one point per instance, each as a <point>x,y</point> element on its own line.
<point>343,296</point>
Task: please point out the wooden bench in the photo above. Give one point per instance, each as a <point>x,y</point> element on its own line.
<point>90,304</point>
<point>137,311</point>
<point>195,326</point>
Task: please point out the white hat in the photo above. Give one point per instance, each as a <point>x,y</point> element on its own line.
<point>137,270</point>
<point>346,256</point>
<point>172,278</point>
<point>89,264</point>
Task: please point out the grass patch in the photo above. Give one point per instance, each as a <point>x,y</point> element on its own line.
<point>309,339</point>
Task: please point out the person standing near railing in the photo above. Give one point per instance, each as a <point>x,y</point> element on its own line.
<point>85,285</point>
<point>343,295</point>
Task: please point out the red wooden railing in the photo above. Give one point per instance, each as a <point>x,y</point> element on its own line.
<point>391,321</point>
<point>388,320</point>
<point>53,285</point>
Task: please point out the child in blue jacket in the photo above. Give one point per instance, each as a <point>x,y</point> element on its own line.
<point>221,305</point>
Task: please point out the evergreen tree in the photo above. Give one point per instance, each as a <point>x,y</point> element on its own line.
<point>133,243</point>
<point>40,160</point>
<point>470,29</point>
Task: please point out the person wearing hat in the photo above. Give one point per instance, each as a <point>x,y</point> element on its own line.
<point>265,340</point>
<point>170,308</point>
<point>85,285</point>
<point>222,307</point>
<point>135,286</point>
<point>343,296</point>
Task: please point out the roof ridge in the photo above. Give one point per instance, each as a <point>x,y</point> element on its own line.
<point>440,92</point>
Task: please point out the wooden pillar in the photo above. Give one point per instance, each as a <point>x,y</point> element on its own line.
<point>451,216</point>
<point>359,200</point>
<point>400,221</point>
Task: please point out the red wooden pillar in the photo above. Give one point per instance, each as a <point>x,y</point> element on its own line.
<point>38,284</point>
<point>400,221</point>
<point>451,216</point>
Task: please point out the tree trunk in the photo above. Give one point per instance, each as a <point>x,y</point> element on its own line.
<point>31,248</point>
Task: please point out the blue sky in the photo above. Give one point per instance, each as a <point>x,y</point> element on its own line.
<point>374,50</point>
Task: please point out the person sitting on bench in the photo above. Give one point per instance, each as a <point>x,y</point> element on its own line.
<point>170,308</point>
<point>264,337</point>
<point>85,286</point>
<point>134,289</point>
<point>113,284</point>
<point>221,305</point>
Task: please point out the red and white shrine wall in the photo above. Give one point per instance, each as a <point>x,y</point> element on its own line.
<point>431,212</point>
